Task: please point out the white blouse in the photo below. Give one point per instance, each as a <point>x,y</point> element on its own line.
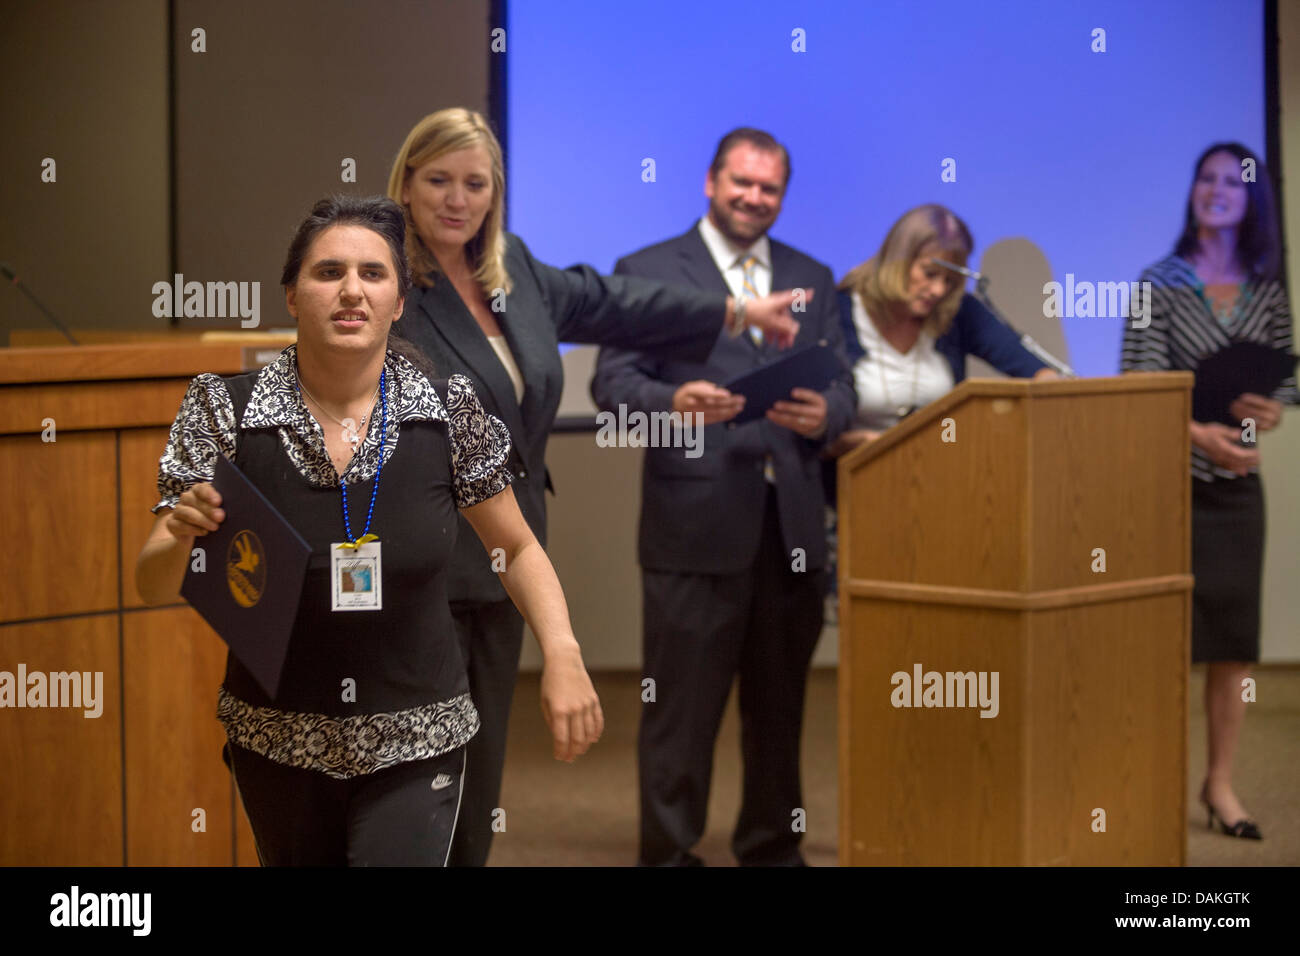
<point>502,349</point>
<point>888,380</point>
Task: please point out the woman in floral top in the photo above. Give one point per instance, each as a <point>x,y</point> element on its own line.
<point>358,759</point>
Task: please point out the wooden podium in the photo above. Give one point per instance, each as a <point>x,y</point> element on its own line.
<point>1039,530</point>
<point>81,431</point>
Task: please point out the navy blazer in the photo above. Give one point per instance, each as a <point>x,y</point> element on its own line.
<point>546,306</point>
<point>974,331</point>
<point>704,515</point>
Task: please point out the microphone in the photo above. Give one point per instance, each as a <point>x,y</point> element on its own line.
<point>968,273</point>
<point>981,293</point>
<point>12,276</point>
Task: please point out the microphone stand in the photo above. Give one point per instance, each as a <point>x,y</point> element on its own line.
<point>1044,356</point>
<point>12,276</point>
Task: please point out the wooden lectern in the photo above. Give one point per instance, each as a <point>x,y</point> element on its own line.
<point>1039,531</point>
<point>81,431</point>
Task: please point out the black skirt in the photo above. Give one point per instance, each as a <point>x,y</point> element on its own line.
<point>1227,560</point>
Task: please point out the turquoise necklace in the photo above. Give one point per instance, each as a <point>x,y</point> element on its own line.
<point>1227,317</point>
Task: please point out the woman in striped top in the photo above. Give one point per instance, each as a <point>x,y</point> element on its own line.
<point>1220,286</point>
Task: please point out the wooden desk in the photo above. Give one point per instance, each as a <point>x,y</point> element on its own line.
<point>81,431</point>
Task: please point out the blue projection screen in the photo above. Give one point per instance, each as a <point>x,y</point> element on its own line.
<point>1085,152</point>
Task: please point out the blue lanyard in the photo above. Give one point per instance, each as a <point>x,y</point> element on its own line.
<point>379,469</point>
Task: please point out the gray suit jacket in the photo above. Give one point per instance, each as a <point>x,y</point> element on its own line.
<point>546,306</point>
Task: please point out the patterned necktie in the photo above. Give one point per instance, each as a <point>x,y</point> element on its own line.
<point>750,291</point>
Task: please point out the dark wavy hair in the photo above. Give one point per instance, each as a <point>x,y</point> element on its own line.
<point>376,213</point>
<point>1258,245</point>
<point>757,138</point>
<point>380,215</point>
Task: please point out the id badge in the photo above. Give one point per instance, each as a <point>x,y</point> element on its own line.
<point>356,578</point>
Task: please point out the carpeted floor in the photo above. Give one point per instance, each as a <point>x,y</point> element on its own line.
<point>585,814</point>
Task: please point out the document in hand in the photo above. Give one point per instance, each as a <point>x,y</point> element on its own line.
<point>252,577</point>
<point>1240,368</point>
<point>814,367</point>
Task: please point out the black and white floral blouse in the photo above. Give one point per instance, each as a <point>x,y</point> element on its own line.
<point>480,445</point>
<point>206,427</point>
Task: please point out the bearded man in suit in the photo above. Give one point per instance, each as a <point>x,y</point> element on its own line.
<point>732,543</point>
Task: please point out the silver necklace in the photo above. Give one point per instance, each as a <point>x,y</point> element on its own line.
<point>353,435</point>
<point>901,410</point>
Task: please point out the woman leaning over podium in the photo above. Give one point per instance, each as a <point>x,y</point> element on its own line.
<point>1217,287</point>
<point>909,324</point>
<point>376,778</point>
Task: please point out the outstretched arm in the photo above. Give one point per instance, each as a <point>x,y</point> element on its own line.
<point>569,701</point>
<point>671,320</point>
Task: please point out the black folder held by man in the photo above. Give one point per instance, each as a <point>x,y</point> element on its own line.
<point>252,577</point>
<point>1241,368</point>
<point>813,368</point>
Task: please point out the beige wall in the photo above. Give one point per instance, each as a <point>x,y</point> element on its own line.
<point>86,85</point>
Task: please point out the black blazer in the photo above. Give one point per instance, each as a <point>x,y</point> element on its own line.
<point>546,306</point>
<point>703,515</point>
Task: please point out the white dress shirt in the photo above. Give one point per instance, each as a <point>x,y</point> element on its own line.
<point>728,256</point>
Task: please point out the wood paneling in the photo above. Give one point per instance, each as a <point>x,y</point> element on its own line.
<point>60,525</point>
<point>138,454</point>
<point>172,667</point>
<point>933,785</point>
<point>1020,600</point>
<point>61,771</point>
<point>1124,506</point>
<point>140,360</point>
<point>80,507</point>
<point>976,556</point>
<point>911,499</point>
<point>1103,734</point>
<point>85,406</point>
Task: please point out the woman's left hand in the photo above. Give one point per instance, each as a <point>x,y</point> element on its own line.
<point>570,705</point>
<point>1267,412</point>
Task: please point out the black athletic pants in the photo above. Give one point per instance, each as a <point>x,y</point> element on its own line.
<point>403,815</point>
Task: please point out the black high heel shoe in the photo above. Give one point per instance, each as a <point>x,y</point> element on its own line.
<point>1245,828</point>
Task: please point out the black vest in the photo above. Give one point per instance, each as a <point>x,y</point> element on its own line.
<point>404,655</point>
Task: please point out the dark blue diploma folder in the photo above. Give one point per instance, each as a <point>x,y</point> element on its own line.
<point>1240,368</point>
<point>252,579</point>
<point>814,368</point>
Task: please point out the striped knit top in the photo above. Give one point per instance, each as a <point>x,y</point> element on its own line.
<point>1184,330</point>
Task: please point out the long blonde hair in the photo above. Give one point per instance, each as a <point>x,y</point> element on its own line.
<point>447,131</point>
<point>881,282</point>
